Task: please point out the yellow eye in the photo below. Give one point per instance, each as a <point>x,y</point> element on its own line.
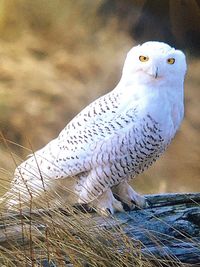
<point>171,60</point>
<point>143,58</point>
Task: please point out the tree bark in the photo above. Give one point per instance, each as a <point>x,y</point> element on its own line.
<point>169,228</point>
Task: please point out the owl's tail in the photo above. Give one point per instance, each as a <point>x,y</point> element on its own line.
<point>36,182</point>
<point>32,179</point>
<point>27,185</point>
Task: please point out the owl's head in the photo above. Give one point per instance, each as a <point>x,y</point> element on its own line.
<point>155,61</point>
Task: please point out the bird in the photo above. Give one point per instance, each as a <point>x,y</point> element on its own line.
<point>112,140</point>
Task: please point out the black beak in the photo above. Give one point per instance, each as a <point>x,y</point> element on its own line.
<point>156,76</point>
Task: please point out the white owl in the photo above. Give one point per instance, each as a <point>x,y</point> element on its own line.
<point>112,140</point>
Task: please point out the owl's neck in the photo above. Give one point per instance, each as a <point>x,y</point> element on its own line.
<point>162,99</point>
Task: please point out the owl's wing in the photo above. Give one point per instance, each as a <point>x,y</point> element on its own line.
<point>84,143</point>
<point>87,140</point>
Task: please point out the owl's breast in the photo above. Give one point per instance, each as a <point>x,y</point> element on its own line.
<point>165,109</point>
<point>131,150</point>
<point>146,143</point>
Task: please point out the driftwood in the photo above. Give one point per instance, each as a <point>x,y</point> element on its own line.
<point>169,228</point>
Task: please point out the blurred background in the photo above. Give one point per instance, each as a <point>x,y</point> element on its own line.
<point>57,56</point>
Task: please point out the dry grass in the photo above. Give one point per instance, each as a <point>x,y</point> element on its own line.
<point>68,237</point>
<point>74,239</point>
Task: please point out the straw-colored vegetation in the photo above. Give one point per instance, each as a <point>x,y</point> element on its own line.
<point>57,56</point>
<point>63,240</point>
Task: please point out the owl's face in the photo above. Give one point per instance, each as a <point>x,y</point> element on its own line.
<point>155,61</point>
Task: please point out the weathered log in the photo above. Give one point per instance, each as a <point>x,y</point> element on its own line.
<point>168,229</point>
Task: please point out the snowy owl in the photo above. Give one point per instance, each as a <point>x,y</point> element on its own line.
<point>112,140</point>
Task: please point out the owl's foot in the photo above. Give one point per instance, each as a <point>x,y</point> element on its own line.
<point>106,204</point>
<point>130,199</point>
